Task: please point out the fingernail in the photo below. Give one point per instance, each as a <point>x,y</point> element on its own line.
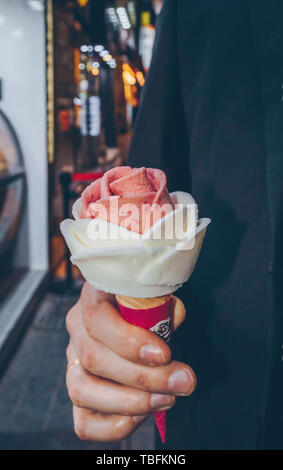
<point>160,401</point>
<point>139,419</point>
<point>151,354</point>
<point>181,381</point>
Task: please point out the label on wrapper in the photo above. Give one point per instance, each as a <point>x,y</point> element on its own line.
<point>151,314</point>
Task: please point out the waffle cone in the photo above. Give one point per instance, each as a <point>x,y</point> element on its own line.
<point>140,304</point>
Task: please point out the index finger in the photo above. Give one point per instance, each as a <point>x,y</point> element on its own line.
<point>104,323</point>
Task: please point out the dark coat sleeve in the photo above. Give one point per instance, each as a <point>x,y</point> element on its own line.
<point>160,138</point>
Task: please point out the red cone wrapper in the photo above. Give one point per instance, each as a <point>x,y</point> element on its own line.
<point>154,315</point>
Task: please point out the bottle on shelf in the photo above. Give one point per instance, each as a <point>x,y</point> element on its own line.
<point>146,39</point>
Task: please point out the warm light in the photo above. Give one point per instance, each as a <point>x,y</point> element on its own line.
<point>140,78</point>
<point>132,12</point>
<point>107,57</point>
<point>130,95</point>
<point>128,78</point>
<point>77,25</point>
<point>76,65</point>
<point>82,3</point>
<point>95,71</point>
<point>88,65</point>
<point>127,68</point>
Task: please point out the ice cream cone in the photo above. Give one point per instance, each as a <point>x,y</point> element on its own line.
<point>120,241</point>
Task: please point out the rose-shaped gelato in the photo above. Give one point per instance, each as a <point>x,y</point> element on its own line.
<point>119,250</point>
<point>140,195</point>
<point>133,239</point>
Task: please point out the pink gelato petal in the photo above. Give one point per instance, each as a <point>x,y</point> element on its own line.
<point>110,176</point>
<point>89,195</point>
<point>128,197</point>
<point>136,183</point>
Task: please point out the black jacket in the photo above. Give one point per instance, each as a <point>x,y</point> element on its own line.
<point>211,117</point>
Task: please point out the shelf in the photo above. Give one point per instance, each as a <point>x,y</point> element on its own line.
<point>4,180</point>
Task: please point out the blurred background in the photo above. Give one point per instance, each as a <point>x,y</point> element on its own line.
<point>71,78</point>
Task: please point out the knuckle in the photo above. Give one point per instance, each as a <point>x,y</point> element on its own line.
<point>75,394</point>
<point>80,426</point>
<point>167,354</point>
<point>68,349</point>
<point>69,320</point>
<point>88,357</point>
<point>90,313</point>
<point>131,336</point>
<point>120,430</point>
<point>103,307</point>
<point>134,404</point>
<point>88,316</point>
<point>128,406</point>
<point>142,379</point>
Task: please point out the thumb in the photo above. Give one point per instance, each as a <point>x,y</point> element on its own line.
<point>178,313</point>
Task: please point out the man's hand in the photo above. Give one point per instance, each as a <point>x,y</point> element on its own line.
<point>125,373</point>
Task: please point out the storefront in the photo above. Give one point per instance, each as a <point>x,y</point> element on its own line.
<point>23,161</point>
<point>100,53</point>
<point>72,75</point>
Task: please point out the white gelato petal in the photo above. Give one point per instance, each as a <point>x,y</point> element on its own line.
<point>132,264</point>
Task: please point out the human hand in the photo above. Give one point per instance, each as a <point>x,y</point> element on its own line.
<point>118,373</point>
